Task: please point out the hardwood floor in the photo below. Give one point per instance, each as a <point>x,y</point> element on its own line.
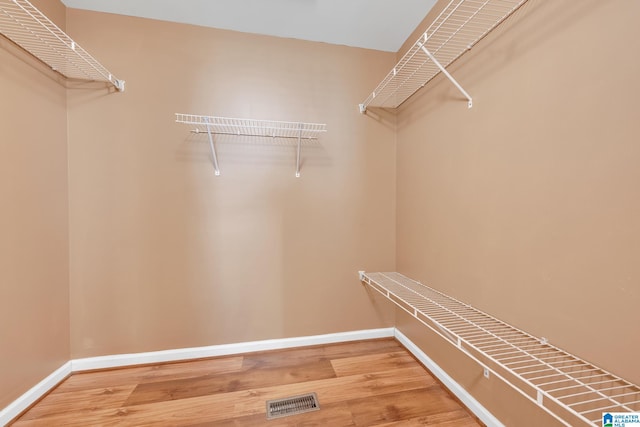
<point>366,383</point>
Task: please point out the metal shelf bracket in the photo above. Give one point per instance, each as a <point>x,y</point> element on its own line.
<point>447,74</point>
<point>298,150</point>
<point>213,150</point>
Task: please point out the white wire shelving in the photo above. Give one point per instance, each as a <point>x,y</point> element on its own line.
<point>572,390</point>
<point>27,27</point>
<point>212,125</point>
<point>460,25</point>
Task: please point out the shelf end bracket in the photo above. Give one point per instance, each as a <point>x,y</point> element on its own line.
<point>363,108</point>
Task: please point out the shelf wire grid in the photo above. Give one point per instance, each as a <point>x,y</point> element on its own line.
<point>460,25</point>
<point>569,388</point>
<point>211,125</point>
<point>27,27</point>
<point>250,127</point>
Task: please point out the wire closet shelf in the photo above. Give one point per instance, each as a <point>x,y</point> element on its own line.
<point>27,27</point>
<point>213,125</point>
<point>460,25</point>
<point>572,390</point>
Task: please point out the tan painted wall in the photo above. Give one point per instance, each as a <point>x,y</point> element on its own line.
<point>166,255</point>
<point>34,286</point>
<point>527,206</point>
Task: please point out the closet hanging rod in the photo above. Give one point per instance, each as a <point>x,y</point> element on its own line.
<point>460,25</point>
<point>30,29</point>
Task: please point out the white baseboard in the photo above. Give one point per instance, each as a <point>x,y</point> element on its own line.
<point>105,362</point>
<point>469,401</point>
<point>119,360</point>
<point>34,394</point>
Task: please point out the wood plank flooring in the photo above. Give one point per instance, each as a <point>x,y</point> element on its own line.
<point>365,383</point>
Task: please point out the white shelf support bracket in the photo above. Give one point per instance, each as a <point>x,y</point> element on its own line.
<point>446,73</point>
<point>213,151</point>
<point>119,84</point>
<point>299,146</point>
<point>363,108</point>
<point>361,275</point>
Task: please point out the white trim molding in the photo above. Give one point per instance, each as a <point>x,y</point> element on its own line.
<point>467,399</point>
<point>36,392</point>
<point>120,360</point>
<point>19,405</point>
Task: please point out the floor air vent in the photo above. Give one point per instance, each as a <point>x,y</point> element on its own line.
<point>292,406</point>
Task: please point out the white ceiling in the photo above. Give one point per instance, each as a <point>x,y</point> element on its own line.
<point>373,24</point>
